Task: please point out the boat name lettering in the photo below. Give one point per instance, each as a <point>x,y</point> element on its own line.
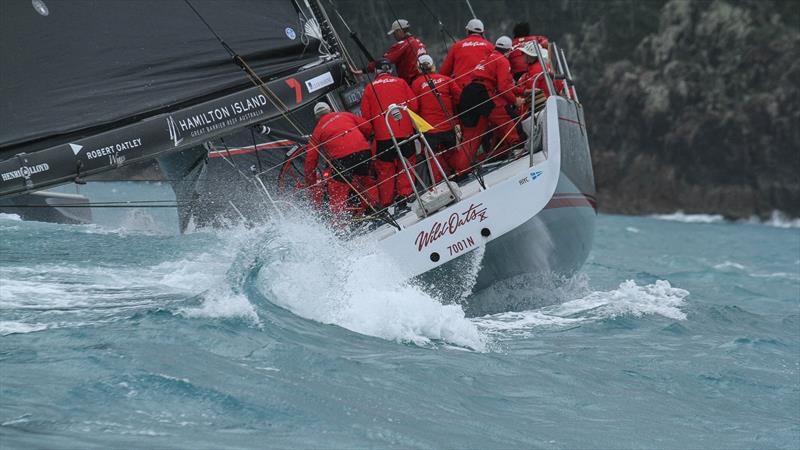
<point>453,223</point>
<point>114,148</point>
<point>461,245</point>
<point>25,172</point>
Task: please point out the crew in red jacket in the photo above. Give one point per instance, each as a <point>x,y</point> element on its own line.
<point>344,137</point>
<point>386,90</point>
<point>438,96</point>
<point>466,53</point>
<point>522,36</point>
<point>491,85</point>
<point>403,53</point>
<point>525,83</point>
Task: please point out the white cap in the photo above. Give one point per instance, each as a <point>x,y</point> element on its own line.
<point>503,43</point>
<point>425,61</point>
<point>321,108</point>
<point>530,49</point>
<point>475,26</point>
<point>399,24</point>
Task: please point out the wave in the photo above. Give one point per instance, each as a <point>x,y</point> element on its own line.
<point>777,219</point>
<point>629,299</point>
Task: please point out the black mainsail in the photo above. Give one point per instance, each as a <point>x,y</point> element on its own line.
<point>88,86</point>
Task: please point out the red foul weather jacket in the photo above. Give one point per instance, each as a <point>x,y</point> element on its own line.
<point>494,72</point>
<point>526,81</point>
<point>517,58</point>
<point>429,107</point>
<point>403,54</point>
<point>341,134</point>
<point>463,56</point>
<point>381,93</point>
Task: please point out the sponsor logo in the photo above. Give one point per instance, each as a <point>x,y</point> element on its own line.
<point>290,33</point>
<point>535,175</point>
<point>113,149</point>
<point>174,133</point>
<point>525,180</point>
<point>25,172</point>
<point>451,226</point>
<point>215,119</point>
<point>319,82</point>
<point>474,44</point>
<point>75,148</point>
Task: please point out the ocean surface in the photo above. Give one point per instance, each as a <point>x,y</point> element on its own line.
<point>680,332</point>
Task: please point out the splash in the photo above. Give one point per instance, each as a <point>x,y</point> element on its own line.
<point>320,277</point>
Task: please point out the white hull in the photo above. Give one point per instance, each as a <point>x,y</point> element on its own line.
<point>531,219</point>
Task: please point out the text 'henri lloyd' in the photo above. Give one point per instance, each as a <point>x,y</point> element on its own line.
<point>454,222</point>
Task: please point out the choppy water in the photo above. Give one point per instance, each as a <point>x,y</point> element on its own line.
<point>125,334</point>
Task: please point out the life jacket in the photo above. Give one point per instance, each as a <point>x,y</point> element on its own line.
<point>494,72</point>
<point>439,111</point>
<point>381,93</point>
<point>463,56</point>
<point>526,81</point>
<point>339,134</point>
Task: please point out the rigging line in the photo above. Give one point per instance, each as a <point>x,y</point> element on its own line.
<point>274,99</point>
<point>442,28</point>
<point>251,74</point>
<point>299,153</point>
<point>255,148</point>
<point>469,5</point>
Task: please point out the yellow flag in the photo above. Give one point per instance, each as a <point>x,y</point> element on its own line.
<point>422,125</point>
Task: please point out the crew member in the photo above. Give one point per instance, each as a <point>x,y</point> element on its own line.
<point>522,36</point>
<point>344,138</point>
<point>384,91</point>
<point>486,102</point>
<point>465,54</point>
<point>403,53</point>
<point>535,67</point>
<point>437,95</point>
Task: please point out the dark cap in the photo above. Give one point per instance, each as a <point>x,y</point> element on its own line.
<point>383,65</point>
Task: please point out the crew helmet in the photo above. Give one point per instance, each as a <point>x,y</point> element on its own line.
<point>399,24</point>
<point>530,49</point>
<point>503,43</point>
<point>425,63</point>
<point>321,108</point>
<point>475,26</point>
<point>383,65</point>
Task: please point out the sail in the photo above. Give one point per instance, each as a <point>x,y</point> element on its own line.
<point>76,68</point>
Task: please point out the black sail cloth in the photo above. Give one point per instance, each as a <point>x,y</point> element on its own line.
<point>89,66</point>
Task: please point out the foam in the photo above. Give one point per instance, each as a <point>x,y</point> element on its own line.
<point>8,327</point>
<point>777,219</point>
<point>629,299</point>
<point>10,217</point>
<point>730,265</point>
<point>320,277</point>
<point>679,216</point>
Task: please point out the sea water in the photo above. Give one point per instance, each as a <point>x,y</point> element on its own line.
<point>680,332</point>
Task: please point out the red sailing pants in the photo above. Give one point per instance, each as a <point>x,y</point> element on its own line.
<point>503,125</point>
<point>392,179</point>
<point>355,168</point>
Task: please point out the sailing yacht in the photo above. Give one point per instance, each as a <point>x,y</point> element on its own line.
<point>221,94</point>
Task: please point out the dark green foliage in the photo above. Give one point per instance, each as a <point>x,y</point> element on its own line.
<point>691,104</point>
